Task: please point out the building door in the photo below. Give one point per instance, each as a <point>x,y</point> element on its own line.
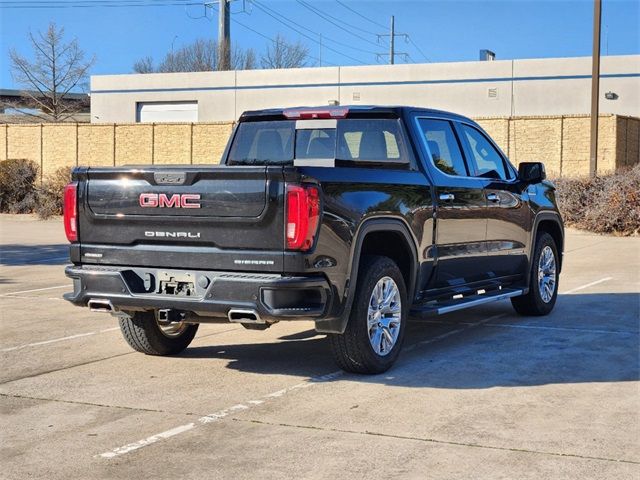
<point>166,112</point>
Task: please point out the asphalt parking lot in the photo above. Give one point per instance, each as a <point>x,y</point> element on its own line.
<point>478,394</point>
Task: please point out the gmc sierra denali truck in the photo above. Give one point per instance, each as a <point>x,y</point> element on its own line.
<point>353,217</point>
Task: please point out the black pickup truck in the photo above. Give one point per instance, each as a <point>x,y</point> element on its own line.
<point>353,217</point>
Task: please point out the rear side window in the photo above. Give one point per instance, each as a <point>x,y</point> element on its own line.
<point>374,139</point>
<point>262,143</point>
<point>486,160</point>
<point>443,146</point>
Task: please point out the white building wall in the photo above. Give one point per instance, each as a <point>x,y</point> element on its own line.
<point>552,86</point>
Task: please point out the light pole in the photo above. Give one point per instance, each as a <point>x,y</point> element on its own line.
<point>595,87</point>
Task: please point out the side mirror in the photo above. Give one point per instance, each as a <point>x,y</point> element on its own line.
<point>531,172</point>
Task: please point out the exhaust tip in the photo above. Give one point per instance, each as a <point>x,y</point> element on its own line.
<point>99,305</point>
<point>245,316</point>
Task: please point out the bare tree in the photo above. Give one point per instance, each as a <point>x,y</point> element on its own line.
<point>203,56</point>
<point>200,56</point>
<point>144,65</point>
<point>284,54</point>
<point>250,60</point>
<point>48,81</point>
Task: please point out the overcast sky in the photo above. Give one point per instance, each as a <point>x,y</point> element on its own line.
<point>439,31</point>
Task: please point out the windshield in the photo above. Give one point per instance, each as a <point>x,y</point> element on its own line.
<point>280,142</point>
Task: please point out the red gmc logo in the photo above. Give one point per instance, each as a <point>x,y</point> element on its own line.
<point>161,200</point>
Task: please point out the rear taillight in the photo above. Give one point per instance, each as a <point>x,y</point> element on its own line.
<point>303,215</point>
<point>71,211</point>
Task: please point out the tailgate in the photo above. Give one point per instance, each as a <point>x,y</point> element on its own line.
<point>209,217</point>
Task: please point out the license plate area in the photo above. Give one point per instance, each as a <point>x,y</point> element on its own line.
<point>176,284</point>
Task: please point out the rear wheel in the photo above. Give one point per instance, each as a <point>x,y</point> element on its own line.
<point>543,283</point>
<point>373,338</point>
<point>145,334</point>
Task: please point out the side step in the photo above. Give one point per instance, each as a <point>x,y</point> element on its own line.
<point>447,306</point>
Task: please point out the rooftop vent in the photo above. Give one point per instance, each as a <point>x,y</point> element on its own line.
<point>487,55</point>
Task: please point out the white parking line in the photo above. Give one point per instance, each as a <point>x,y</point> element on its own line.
<point>147,441</point>
<point>36,290</point>
<point>214,417</point>
<point>582,287</point>
<point>55,340</point>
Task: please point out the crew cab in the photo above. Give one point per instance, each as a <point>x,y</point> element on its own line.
<point>353,217</point>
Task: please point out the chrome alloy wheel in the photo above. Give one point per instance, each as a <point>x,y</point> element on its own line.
<point>173,329</point>
<point>547,274</point>
<point>384,316</point>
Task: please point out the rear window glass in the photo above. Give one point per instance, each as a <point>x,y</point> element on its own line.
<point>316,143</point>
<point>279,142</point>
<point>262,143</point>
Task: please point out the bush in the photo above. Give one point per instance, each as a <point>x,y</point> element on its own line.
<point>18,192</point>
<point>607,204</point>
<point>50,194</point>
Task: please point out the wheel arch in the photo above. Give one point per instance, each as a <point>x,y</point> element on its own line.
<point>551,223</point>
<point>367,241</point>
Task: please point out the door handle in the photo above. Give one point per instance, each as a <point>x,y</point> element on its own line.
<point>446,197</point>
<point>493,197</point>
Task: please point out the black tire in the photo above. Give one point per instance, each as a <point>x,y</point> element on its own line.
<point>532,304</point>
<point>143,334</point>
<point>353,351</point>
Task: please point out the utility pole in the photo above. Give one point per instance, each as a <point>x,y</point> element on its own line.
<point>595,87</point>
<point>392,43</point>
<point>224,35</point>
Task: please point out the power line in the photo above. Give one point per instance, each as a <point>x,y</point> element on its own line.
<point>324,37</point>
<point>93,4</point>
<point>418,48</point>
<point>331,19</point>
<point>266,37</point>
<point>271,39</point>
<point>275,15</point>
<point>361,15</point>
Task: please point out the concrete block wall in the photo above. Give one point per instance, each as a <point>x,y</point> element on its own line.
<point>628,145</point>
<point>561,142</point>
<point>52,145</point>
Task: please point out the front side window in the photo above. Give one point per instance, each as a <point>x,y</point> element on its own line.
<point>486,160</point>
<point>443,146</point>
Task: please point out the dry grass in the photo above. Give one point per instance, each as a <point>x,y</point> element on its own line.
<point>607,204</point>
<point>20,192</point>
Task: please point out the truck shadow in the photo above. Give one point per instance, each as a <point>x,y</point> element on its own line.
<point>16,255</point>
<point>588,338</point>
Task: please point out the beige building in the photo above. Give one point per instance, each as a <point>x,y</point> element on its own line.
<point>507,88</point>
<point>536,110</point>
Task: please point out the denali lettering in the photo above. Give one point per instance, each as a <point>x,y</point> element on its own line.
<point>162,200</point>
<point>173,234</point>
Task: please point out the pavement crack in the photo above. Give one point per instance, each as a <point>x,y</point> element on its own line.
<point>75,365</point>
<point>434,440</point>
<point>92,404</point>
<point>82,364</point>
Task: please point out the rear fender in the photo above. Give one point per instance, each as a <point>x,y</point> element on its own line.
<point>339,324</point>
